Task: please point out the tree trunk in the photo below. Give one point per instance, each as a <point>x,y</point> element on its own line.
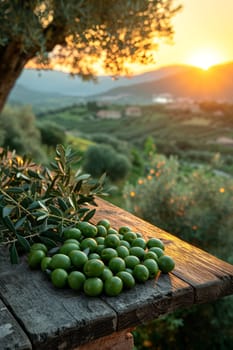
<point>12,61</point>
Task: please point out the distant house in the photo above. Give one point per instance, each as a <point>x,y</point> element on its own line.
<point>184,104</point>
<point>108,114</point>
<point>224,140</point>
<point>133,111</point>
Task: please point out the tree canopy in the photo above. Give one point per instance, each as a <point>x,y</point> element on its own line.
<point>79,35</point>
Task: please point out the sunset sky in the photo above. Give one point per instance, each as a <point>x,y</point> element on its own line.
<point>203,34</point>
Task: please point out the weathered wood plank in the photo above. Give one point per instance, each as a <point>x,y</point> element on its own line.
<point>11,334</point>
<point>210,277</point>
<point>63,319</point>
<point>52,318</point>
<point>146,302</point>
<point>116,341</point>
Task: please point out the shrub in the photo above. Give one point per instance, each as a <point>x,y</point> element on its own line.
<point>197,206</point>
<point>19,131</point>
<point>51,134</point>
<point>189,204</point>
<point>119,145</point>
<point>101,159</point>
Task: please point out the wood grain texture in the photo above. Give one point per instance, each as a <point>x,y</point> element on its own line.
<point>52,318</point>
<point>116,341</point>
<point>146,302</point>
<point>12,336</point>
<point>210,277</point>
<point>63,319</point>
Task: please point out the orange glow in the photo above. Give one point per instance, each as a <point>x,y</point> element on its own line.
<point>140,181</point>
<point>203,34</point>
<point>205,59</point>
<point>132,194</point>
<point>201,26</point>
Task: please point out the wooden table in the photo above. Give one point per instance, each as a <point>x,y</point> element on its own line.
<point>35,315</point>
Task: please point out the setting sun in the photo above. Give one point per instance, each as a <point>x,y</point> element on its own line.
<point>205,59</point>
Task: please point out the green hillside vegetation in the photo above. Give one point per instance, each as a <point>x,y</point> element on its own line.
<point>192,137</point>
<point>39,100</point>
<point>196,205</point>
<point>172,168</point>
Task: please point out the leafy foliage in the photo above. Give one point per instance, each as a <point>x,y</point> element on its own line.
<point>19,131</point>
<point>81,36</point>
<point>112,31</point>
<point>102,158</point>
<point>187,329</point>
<point>51,134</point>
<point>196,205</point>
<point>37,203</point>
<point>186,201</point>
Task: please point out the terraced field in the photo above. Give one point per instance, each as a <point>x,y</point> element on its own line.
<point>190,137</point>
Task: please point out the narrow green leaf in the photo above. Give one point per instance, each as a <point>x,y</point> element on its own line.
<point>62,204</point>
<point>7,210</point>
<point>42,205</point>
<point>71,202</point>
<point>78,186</point>
<point>60,229</point>
<point>42,217</point>
<point>20,222</point>
<point>83,177</point>
<point>61,167</point>
<point>81,212</point>
<point>9,224</point>
<point>34,174</point>
<point>18,175</point>
<point>49,174</point>
<point>68,152</point>
<point>60,150</point>
<point>23,242</point>
<point>89,215</point>
<point>48,242</point>
<point>14,190</point>
<point>34,205</point>
<point>68,176</point>
<point>56,211</point>
<point>42,227</point>
<point>14,257</point>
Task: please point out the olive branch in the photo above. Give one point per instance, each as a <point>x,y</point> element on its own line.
<point>37,203</point>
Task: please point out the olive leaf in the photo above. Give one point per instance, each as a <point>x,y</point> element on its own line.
<point>89,215</point>
<point>23,242</point>
<point>37,203</point>
<point>14,257</point>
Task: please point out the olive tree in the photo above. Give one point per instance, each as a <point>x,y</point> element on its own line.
<point>77,34</point>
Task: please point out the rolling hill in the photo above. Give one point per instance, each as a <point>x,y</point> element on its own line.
<point>63,83</point>
<point>51,89</point>
<point>39,100</point>
<point>214,84</point>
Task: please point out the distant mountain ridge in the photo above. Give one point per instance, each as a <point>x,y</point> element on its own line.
<point>216,83</point>
<point>63,83</point>
<point>59,89</point>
